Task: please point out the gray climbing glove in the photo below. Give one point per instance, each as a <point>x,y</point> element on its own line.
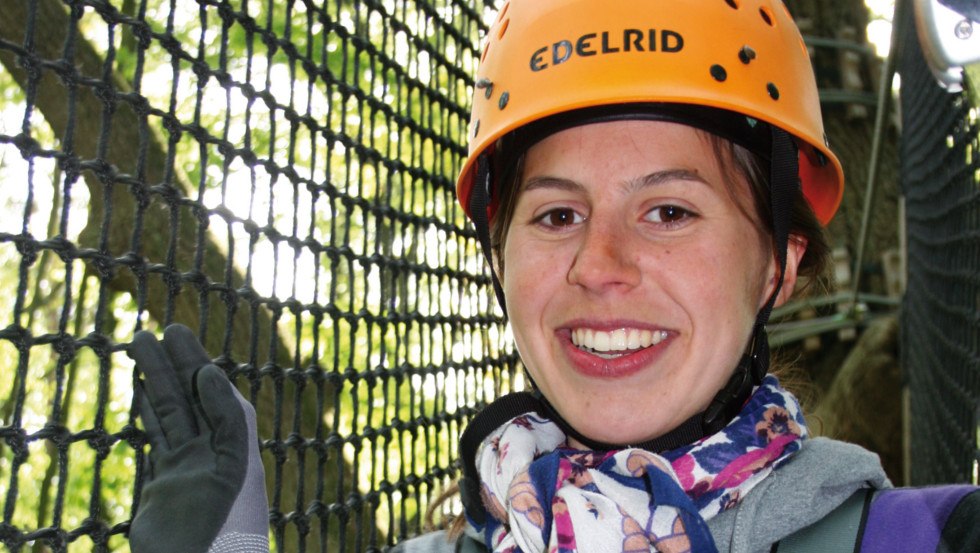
<point>205,490</point>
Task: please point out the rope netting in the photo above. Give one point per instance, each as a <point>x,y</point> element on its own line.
<point>277,175</point>
<point>940,155</point>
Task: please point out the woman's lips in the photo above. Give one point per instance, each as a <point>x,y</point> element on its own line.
<point>612,353</point>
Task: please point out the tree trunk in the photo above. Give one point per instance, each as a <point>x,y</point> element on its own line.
<point>143,239</point>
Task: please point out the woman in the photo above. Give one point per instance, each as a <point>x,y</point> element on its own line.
<point>647,182</point>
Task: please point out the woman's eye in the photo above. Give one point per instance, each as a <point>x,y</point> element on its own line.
<point>667,214</point>
<point>560,217</point>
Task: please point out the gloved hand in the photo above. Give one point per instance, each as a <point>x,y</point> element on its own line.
<point>205,490</point>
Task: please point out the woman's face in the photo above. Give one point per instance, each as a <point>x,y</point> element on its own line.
<point>632,277</point>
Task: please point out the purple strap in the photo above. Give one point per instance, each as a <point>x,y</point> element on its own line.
<point>910,519</point>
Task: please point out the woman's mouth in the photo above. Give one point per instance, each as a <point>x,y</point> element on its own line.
<point>619,342</point>
<point>613,353</point>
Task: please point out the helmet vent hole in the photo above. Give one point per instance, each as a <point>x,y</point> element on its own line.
<point>483,57</point>
<point>773,91</point>
<point>732,3</point>
<point>503,10</point>
<point>719,73</point>
<point>766,16</point>
<point>503,28</point>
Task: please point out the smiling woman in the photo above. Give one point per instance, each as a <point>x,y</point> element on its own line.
<point>642,216</point>
<point>628,227</point>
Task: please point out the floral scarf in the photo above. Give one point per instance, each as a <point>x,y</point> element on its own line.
<point>543,496</point>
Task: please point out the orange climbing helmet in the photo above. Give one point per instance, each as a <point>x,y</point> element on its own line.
<point>737,68</point>
<point>545,58</point>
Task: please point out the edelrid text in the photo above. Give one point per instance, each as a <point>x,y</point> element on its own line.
<point>607,42</point>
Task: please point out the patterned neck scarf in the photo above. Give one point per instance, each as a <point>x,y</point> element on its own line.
<point>543,496</point>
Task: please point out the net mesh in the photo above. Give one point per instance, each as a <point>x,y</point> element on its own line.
<point>940,325</point>
<point>277,175</point>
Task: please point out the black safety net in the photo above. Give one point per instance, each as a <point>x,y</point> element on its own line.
<point>277,175</point>
<point>940,154</point>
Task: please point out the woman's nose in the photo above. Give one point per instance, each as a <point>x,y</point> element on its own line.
<point>606,260</point>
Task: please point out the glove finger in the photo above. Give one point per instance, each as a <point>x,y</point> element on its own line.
<point>186,353</point>
<point>154,431</point>
<point>225,411</point>
<point>171,407</point>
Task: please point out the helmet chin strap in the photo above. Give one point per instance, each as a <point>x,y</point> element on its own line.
<point>727,403</point>
<point>479,207</point>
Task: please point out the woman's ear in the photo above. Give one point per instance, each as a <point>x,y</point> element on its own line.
<point>795,248</point>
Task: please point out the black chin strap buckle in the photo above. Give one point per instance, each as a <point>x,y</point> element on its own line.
<point>747,375</point>
<point>729,400</point>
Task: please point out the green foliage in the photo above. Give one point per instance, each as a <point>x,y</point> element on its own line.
<point>337,124</point>
<point>973,83</point>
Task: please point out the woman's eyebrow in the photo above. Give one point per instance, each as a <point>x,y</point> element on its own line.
<point>661,177</point>
<point>545,181</point>
<point>651,179</point>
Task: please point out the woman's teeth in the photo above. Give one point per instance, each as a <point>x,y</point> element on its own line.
<point>618,341</point>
